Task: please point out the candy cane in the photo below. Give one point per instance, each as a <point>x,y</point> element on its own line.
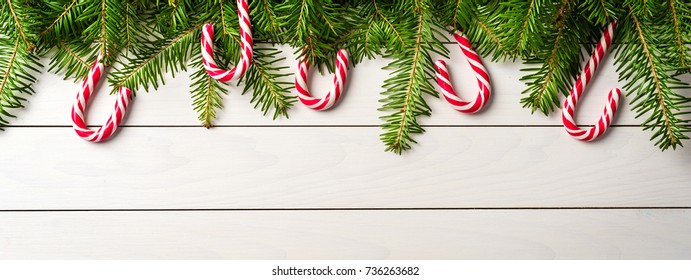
<point>246,45</point>
<point>82,100</point>
<point>481,76</point>
<point>333,95</point>
<point>612,98</point>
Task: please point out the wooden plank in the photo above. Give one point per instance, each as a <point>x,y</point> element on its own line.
<point>298,167</point>
<point>555,234</point>
<point>171,104</point>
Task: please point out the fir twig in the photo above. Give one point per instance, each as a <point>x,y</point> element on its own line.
<point>648,81</point>
<point>408,83</point>
<point>267,82</point>
<point>558,65</point>
<point>206,93</point>
<point>17,69</point>
<point>679,50</point>
<point>165,55</point>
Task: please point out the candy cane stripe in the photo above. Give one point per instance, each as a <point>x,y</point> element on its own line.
<point>207,47</point>
<point>81,101</point>
<point>481,75</point>
<point>340,77</point>
<point>578,89</point>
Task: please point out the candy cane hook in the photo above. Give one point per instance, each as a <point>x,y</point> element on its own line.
<point>481,75</point>
<point>245,44</point>
<point>333,95</point>
<point>612,98</point>
<point>78,109</point>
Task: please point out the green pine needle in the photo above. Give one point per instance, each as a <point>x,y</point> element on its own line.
<point>410,80</point>
<point>206,93</point>
<point>678,39</point>
<point>312,27</point>
<point>653,89</point>
<point>18,68</point>
<point>521,26</point>
<point>553,69</point>
<point>268,82</point>
<point>73,59</point>
<point>165,55</point>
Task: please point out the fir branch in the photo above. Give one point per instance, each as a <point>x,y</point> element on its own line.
<point>63,21</point>
<point>18,67</point>
<point>558,64</point>
<point>265,19</point>
<point>393,31</point>
<point>600,12</point>
<point>308,25</point>
<point>164,55</point>
<point>71,59</point>
<point>19,25</point>
<point>679,51</point>
<point>206,93</point>
<point>408,83</point>
<point>400,129</point>
<point>373,32</point>
<point>177,15</point>
<point>484,30</point>
<point>228,40</point>
<point>105,28</point>
<point>267,82</point>
<point>456,13</point>
<point>522,24</point>
<point>653,88</point>
<point>224,20</point>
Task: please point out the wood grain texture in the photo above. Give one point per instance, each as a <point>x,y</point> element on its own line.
<point>554,234</point>
<point>344,167</point>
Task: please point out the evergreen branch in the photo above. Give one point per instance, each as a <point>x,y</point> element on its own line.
<point>178,15</point>
<point>164,55</point>
<point>380,14</point>
<point>69,58</point>
<point>306,27</point>
<point>456,13</point>
<point>409,81</point>
<point>397,146</point>
<point>105,28</point>
<point>559,66</point>
<point>128,28</point>
<point>229,39</point>
<point>104,32</point>
<point>484,30</point>
<point>641,64</point>
<point>19,27</point>
<point>17,69</point>
<point>62,17</point>
<point>521,41</point>
<point>372,33</point>
<point>8,99</point>
<point>600,12</point>
<point>223,18</point>
<point>268,83</point>
<point>267,23</point>
<point>206,93</point>
<point>678,52</point>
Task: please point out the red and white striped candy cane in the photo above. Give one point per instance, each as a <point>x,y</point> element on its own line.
<point>333,95</point>
<point>82,100</point>
<point>246,45</point>
<point>481,75</point>
<point>612,98</point>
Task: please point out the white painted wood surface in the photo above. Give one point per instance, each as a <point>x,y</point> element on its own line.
<point>505,158</point>
<point>483,234</point>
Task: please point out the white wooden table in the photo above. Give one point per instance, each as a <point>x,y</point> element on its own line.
<point>501,184</point>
